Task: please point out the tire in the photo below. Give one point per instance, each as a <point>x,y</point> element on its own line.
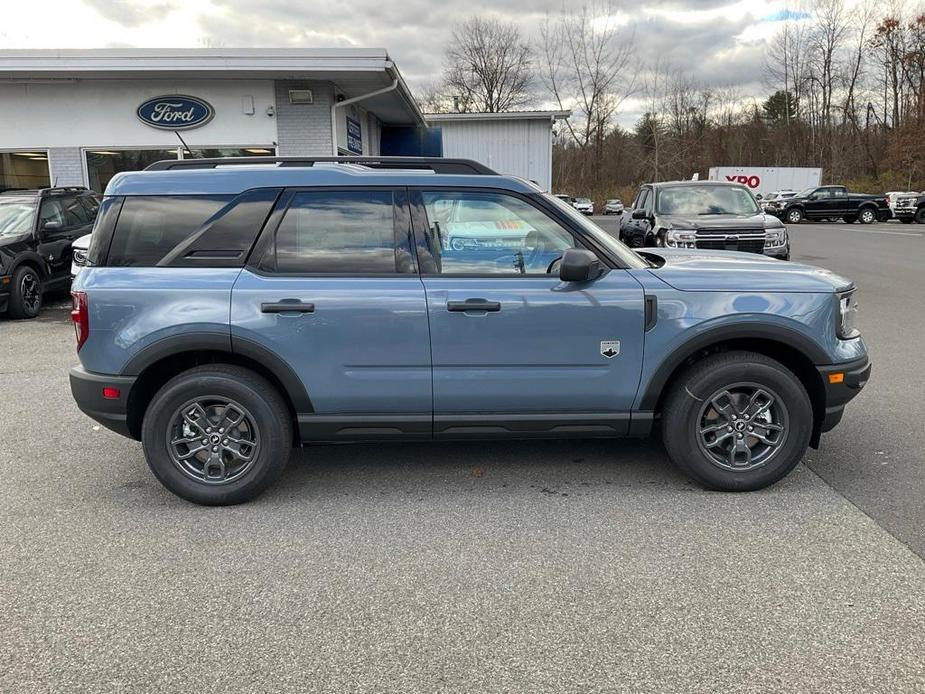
<point>867,215</point>
<point>25,293</point>
<point>690,407</point>
<point>794,215</point>
<point>849,219</point>
<point>906,220</point>
<point>264,436</point>
<point>920,215</point>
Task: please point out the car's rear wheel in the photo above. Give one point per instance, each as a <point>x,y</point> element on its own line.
<point>794,215</point>
<point>217,435</point>
<point>737,421</point>
<point>25,293</point>
<point>867,216</point>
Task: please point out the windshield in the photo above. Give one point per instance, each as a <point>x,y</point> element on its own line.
<point>706,200</point>
<point>583,201</point>
<point>626,256</point>
<point>17,216</point>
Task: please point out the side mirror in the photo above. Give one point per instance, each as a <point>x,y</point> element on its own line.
<point>812,196</point>
<point>579,265</point>
<point>639,214</point>
<point>52,226</point>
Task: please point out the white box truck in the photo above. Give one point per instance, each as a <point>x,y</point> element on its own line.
<point>762,180</point>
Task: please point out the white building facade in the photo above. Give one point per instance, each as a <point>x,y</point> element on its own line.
<point>517,143</point>
<point>77,117</point>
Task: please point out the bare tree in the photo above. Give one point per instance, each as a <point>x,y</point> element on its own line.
<point>488,67</point>
<point>588,69</point>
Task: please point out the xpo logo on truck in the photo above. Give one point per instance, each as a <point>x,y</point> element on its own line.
<point>750,181</point>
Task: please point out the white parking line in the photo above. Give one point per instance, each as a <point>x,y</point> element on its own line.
<point>877,231</point>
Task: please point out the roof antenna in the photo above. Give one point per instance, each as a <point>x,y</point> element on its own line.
<point>185,146</point>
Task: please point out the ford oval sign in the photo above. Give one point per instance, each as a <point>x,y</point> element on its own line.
<point>175,112</point>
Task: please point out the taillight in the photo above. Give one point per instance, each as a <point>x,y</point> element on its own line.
<point>81,317</point>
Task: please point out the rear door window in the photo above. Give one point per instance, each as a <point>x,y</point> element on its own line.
<point>341,233</point>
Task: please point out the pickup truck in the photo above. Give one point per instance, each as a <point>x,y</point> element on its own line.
<point>910,208</point>
<point>830,202</point>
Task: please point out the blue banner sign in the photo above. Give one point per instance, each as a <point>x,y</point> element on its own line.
<point>354,136</point>
<point>175,112</point>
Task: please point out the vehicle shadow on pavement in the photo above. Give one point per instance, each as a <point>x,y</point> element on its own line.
<point>554,468</point>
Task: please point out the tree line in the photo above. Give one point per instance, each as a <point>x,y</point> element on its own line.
<point>844,81</point>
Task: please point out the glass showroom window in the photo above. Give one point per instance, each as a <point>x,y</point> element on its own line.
<point>26,169</point>
<point>103,164</point>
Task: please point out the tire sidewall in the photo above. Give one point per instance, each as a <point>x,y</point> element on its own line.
<point>702,386</point>
<point>18,308</point>
<point>271,458</point>
<point>867,216</point>
<point>794,216</point>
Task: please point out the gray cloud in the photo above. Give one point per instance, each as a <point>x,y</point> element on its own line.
<point>131,13</point>
<point>415,32</point>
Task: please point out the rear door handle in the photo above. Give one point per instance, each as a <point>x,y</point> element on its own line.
<point>473,305</point>
<point>287,306</point>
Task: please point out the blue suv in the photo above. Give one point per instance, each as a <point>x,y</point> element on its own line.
<point>231,309</point>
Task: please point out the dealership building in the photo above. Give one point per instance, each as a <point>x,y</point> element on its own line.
<point>78,117</point>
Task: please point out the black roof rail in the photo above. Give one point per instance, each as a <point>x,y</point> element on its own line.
<point>435,164</point>
<point>45,190</point>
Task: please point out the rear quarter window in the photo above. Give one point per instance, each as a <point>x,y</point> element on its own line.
<point>150,227</point>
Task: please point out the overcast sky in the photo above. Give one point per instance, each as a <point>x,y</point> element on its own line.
<point>719,42</point>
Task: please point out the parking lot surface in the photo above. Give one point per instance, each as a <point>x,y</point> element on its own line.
<point>504,566</point>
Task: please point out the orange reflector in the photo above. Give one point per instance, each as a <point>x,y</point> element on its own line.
<point>837,377</point>
<point>5,279</point>
<point>111,393</point>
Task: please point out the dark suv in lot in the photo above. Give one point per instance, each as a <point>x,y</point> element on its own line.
<point>711,215</point>
<point>830,202</point>
<point>230,309</point>
<point>36,231</point>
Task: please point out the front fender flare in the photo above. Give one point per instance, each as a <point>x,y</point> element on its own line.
<point>788,337</point>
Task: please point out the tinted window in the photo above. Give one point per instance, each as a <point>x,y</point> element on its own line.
<point>492,233</point>
<point>150,227</point>
<point>338,232</point>
<point>64,211</point>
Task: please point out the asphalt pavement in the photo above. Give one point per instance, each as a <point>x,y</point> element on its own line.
<point>574,566</point>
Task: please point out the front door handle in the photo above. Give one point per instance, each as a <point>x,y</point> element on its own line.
<point>473,305</point>
<point>287,306</point>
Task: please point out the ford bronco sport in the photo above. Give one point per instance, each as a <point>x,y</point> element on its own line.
<point>230,309</point>
<point>37,228</point>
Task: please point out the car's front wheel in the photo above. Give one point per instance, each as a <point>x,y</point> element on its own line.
<point>920,215</point>
<point>25,293</point>
<point>217,435</point>
<point>794,216</point>
<point>737,421</point>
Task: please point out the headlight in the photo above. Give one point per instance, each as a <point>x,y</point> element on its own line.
<point>681,238</point>
<point>847,315</point>
<point>775,238</point>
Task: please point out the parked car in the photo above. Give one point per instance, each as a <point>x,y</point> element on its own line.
<point>776,196</point>
<point>226,313</point>
<point>894,195</point>
<point>831,202</point>
<point>910,208</point>
<point>584,205</point>
<point>613,206</point>
<point>711,215</point>
<point>79,254</point>
<point>36,231</point>
<point>565,197</point>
